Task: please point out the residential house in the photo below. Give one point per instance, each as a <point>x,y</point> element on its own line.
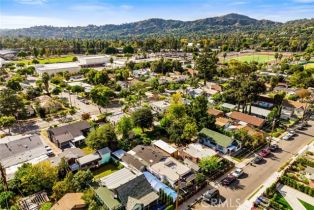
<point>170,170</point>
<point>70,201</point>
<point>228,106</point>
<point>17,150</point>
<point>141,157</point>
<point>165,147</point>
<point>69,135</point>
<point>248,119</point>
<point>160,107</point>
<point>194,92</point>
<point>218,141</point>
<point>297,108</point>
<point>137,194</point>
<point>196,151</point>
<point>116,117</point>
<point>33,202</point>
<point>141,72</point>
<point>216,113</point>
<point>118,178</point>
<point>223,122</point>
<point>96,159</point>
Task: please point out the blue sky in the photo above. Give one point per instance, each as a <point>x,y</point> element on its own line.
<point>26,13</point>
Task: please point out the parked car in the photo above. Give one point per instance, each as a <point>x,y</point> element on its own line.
<point>257,159</point>
<point>211,195</point>
<point>289,135</point>
<point>302,125</point>
<point>228,180</point>
<point>273,147</point>
<point>264,152</point>
<point>237,172</point>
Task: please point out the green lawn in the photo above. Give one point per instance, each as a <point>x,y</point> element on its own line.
<point>86,149</point>
<point>279,199</point>
<point>105,170</point>
<point>307,205</point>
<point>250,58</point>
<point>48,60</point>
<point>309,66</point>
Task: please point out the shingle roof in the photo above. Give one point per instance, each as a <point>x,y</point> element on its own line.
<point>106,196</point>
<point>133,161</point>
<point>70,131</point>
<point>72,153</point>
<point>218,138</point>
<point>252,120</point>
<point>149,154</point>
<point>21,150</point>
<point>70,201</point>
<point>138,188</point>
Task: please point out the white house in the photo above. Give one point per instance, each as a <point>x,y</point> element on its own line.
<point>160,106</point>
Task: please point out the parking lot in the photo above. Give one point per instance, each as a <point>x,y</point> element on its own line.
<point>256,174</point>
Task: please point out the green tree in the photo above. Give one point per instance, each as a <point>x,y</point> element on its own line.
<point>100,95</point>
<point>210,164</point>
<point>103,136</point>
<point>14,84</point>
<point>6,122</point>
<point>45,79</point>
<point>11,104</point>
<point>34,178</point>
<point>124,126</point>
<point>206,65</point>
<point>143,118</point>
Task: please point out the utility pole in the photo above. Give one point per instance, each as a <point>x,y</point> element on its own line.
<point>4,177</point>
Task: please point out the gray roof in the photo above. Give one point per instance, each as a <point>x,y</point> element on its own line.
<point>137,189</point>
<point>68,132</point>
<point>72,153</point>
<point>118,178</point>
<point>104,151</point>
<point>88,159</point>
<point>21,150</point>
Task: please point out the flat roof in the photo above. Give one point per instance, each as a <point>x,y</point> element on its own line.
<point>164,146</point>
<point>199,151</point>
<point>88,158</point>
<point>93,57</point>
<point>53,66</point>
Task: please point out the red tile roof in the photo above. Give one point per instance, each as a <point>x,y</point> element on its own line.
<point>252,120</point>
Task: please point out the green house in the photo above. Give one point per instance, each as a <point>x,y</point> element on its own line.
<point>218,141</point>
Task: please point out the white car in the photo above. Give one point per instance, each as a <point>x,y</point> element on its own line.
<point>237,172</point>
<point>288,136</point>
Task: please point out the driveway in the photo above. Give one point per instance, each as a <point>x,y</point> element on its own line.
<point>256,174</point>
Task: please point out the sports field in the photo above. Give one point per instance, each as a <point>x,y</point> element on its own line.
<point>49,60</point>
<point>257,58</point>
<point>309,66</point>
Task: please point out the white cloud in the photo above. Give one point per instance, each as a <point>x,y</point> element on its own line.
<point>11,21</point>
<point>33,2</point>
<point>126,7</point>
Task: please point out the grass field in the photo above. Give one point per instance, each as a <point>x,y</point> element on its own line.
<point>48,60</point>
<point>257,58</point>
<point>104,170</point>
<point>309,66</point>
<point>306,205</point>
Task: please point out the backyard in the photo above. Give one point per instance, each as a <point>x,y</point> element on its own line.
<point>105,170</point>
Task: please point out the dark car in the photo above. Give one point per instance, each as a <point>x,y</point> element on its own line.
<point>228,180</point>
<point>264,152</point>
<point>211,195</point>
<point>257,159</point>
<point>273,147</point>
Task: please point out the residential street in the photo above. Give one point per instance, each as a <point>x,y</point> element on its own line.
<point>256,174</point>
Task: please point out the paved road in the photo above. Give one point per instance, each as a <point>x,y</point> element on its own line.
<point>255,175</point>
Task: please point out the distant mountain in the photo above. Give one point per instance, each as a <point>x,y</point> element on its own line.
<point>155,26</point>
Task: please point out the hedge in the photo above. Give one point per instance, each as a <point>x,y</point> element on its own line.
<point>296,185</point>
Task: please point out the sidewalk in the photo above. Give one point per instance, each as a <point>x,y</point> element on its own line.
<point>248,203</point>
<point>292,196</point>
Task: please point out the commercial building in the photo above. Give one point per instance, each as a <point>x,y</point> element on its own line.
<point>94,60</point>
<point>71,67</point>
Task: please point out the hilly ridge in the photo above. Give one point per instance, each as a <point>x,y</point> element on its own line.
<point>149,27</point>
